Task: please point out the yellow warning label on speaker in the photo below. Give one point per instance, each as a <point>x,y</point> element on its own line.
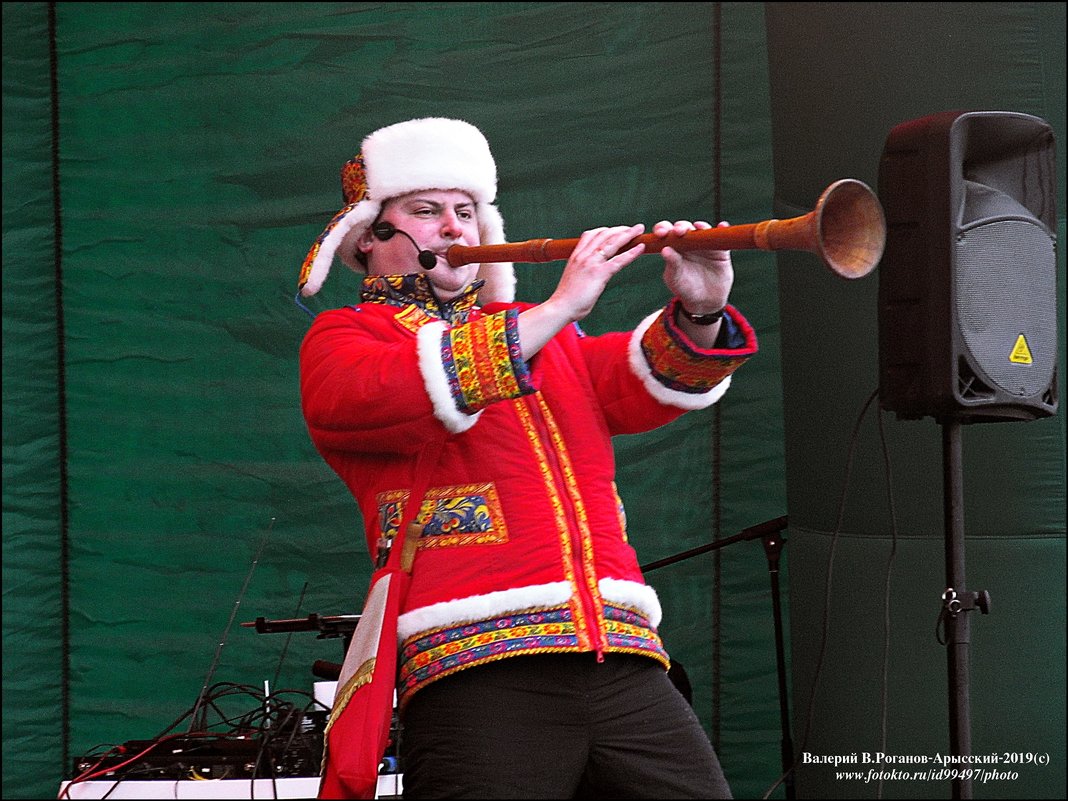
<point>1021,354</point>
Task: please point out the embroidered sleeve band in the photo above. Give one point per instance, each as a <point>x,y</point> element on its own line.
<point>680,365</point>
<point>483,361</point>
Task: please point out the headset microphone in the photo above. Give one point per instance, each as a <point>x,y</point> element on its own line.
<point>385,230</point>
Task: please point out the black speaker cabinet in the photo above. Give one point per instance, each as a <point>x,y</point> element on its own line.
<point>967,283</point>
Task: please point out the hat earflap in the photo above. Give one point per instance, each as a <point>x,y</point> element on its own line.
<point>341,234</point>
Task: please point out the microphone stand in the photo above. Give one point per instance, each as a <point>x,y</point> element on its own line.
<point>768,533</point>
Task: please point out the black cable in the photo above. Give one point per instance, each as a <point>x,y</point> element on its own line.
<point>886,589</point>
<point>826,624</point>
<point>271,718</point>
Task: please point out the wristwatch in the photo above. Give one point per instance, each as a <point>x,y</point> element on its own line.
<point>701,319</point>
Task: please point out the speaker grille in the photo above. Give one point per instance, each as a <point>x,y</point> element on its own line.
<point>1006,287</point>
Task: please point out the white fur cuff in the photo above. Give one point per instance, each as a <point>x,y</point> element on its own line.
<point>670,397</point>
<point>436,381</point>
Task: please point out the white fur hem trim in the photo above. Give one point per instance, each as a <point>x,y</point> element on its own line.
<point>634,595</point>
<point>482,607</point>
<point>621,592</point>
<point>428,346</point>
<point>670,397</point>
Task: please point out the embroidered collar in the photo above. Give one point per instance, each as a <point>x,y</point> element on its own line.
<point>415,290</point>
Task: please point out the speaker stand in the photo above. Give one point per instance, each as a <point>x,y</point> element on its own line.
<point>957,602</point>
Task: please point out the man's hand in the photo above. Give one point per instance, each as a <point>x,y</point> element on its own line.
<point>701,279</point>
<point>592,263</point>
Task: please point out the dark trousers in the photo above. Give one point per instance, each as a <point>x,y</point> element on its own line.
<point>557,726</point>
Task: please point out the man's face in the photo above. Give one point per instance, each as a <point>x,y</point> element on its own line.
<point>436,219</point>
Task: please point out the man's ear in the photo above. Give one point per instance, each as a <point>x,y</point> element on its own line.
<point>365,244</point>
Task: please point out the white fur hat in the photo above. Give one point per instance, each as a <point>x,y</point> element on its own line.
<point>428,153</point>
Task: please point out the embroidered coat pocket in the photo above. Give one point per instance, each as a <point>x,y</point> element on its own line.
<point>465,514</point>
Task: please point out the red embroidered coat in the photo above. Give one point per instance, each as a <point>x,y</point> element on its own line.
<point>524,548</point>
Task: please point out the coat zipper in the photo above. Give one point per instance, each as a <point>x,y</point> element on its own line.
<point>585,596</point>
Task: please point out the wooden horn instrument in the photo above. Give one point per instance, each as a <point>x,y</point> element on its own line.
<point>846,229</point>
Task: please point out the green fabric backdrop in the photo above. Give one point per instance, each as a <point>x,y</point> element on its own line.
<point>153,441</point>
<point>155,457</point>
